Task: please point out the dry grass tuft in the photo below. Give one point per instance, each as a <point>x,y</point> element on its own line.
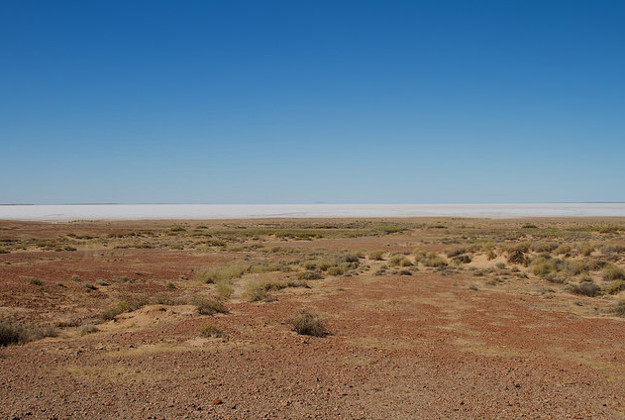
<point>306,323</point>
<point>208,330</point>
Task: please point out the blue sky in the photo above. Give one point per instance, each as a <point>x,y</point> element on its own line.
<point>302,102</point>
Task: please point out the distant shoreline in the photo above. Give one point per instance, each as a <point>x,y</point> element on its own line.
<point>29,212</point>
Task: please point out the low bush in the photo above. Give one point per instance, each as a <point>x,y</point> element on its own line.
<point>10,334</point>
<point>613,272</point>
<point>256,292</point>
<point>226,272</point>
<point>87,329</point>
<point>616,287</point>
<point>619,309</point>
<point>586,288</point>
<point>306,323</point>
<point>432,259</point>
<point>310,275</point>
<point>376,255</point>
<point>122,307</point>
<point>14,333</point>
<point>224,288</point>
<point>208,330</point>
<point>455,252</point>
<point>210,306</point>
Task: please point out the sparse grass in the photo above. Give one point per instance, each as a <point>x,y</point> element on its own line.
<point>335,271</point>
<point>613,272</point>
<point>226,272</point>
<point>87,329</point>
<point>544,265</point>
<point>376,255</point>
<point>310,275</point>
<point>210,307</point>
<point>76,277</point>
<point>432,259</point>
<point>542,247</point>
<point>122,307</point>
<point>616,287</point>
<point>306,323</point>
<point>562,249</point>
<point>15,333</point>
<point>399,260</point>
<point>35,282</point>
<point>256,292</point>
<point>585,249</point>
<point>208,330</point>
<point>454,252</point>
<point>224,288</point>
<point>170,285</point>
<point>619,309</point>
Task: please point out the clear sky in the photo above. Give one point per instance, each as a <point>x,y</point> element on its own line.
<point>312,101</point>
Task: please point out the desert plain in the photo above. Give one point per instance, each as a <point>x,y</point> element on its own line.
<point>404,318</point>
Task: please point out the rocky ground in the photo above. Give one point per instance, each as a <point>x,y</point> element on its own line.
<point>450,318</point>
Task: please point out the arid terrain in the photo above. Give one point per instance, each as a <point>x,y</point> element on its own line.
<point>411,319</point>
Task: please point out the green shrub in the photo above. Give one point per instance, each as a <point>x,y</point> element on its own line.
<point>306,323</point>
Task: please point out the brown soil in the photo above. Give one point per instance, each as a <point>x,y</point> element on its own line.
<point>453,342</point>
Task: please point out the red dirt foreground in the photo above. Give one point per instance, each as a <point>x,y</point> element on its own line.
<point>409,342</point>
